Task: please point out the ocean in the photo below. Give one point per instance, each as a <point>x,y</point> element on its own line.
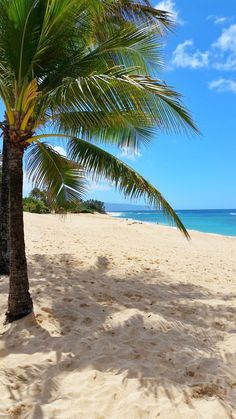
<point>208,221</point>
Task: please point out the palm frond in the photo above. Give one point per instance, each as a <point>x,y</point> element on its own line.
<point>123,94</point>
<point>47,169</point>
<point>31,30</point>
<point>123,129</point>
<point>138,11</point>
<point>129,47</point>
<point>101,164</point>
<point>19,26</point>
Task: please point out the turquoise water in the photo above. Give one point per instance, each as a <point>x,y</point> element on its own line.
<point>207,221</point>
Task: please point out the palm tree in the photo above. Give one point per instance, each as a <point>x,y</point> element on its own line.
<point>83,71</point>
<point>136,12</point>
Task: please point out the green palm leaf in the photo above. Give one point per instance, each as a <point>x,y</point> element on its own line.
<point>47,169</point>
<point>130,47</point>
<point>101,164</point>
<point>138,11</point>
<point>124,110</point>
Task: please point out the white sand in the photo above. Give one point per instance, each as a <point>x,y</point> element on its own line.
<point>132,321</point>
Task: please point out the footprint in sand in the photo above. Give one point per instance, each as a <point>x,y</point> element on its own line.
<point>84,305</point>
<point>87,321</point>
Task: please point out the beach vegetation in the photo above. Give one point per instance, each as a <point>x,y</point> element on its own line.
<point>39,201</point>
<point>35,206</point>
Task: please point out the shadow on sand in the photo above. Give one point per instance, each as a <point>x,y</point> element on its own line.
<point>168,336</point>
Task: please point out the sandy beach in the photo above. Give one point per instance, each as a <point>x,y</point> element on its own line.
<point>132,321</point>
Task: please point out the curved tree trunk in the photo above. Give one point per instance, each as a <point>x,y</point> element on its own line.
<point>4,211</point>
<point>19,300</point>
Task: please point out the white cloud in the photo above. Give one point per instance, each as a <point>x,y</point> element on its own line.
<point>169,6</point>
<point>219,20</point>
<point>227,40</point>
<point>223,85</point>
<point>225,50</point>
<point>228,64</point>
<point>221,55</point>
<point>99,187</point>
<point>186,57</point>
<point>60,150</point>
<point>129,154</point>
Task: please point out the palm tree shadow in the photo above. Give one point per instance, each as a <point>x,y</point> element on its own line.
<point>165,334</point>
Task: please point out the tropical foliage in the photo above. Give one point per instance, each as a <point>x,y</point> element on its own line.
<point>84,71</point>
<point>39,201</point>
<point>95,205</point>
<point>35,205</point>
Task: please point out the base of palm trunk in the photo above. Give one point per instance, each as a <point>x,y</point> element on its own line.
<point>11,317</point>
<point>19,305</point>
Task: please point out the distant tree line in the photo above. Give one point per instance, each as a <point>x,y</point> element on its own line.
<point>40,202</point>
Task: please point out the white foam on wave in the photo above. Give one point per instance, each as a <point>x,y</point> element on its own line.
<point>145,213</point>
<point>115,214</point>
<point>232,213</point>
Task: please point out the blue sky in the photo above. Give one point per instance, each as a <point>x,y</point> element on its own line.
<point>195,172</point>
<point>198,172</point>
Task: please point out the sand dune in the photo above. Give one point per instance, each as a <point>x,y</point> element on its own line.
<point>131,321</point>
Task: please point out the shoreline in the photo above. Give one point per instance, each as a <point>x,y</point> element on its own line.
<point>169,226</point>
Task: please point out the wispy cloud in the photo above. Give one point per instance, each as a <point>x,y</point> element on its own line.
<point>186,56</point>
<point>219,20</point>
<point>225,63</point>
<point>129,154</point>
<point>99,186</point>
<point>227,40</point>
<point>225,45</point>
<point>170,6</point>
<point>223,85</point>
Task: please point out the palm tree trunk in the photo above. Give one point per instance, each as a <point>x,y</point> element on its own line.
<point>4,212</point>
<point>19,300</point>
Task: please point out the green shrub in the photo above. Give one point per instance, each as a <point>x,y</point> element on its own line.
<point>95,205</point>
<point>87,211</point>
<point>39,202</point>
<point>35,206</point>
<point>72,207</point>
<point>39,195</point>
